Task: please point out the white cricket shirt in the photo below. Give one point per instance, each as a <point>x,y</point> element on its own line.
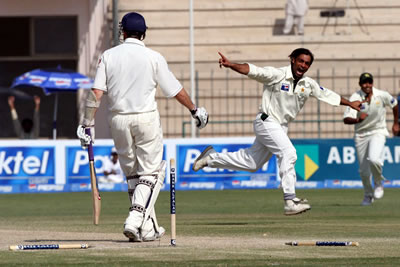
<point>129,74</point>
<point>375,122</point>
<point>280,99</point>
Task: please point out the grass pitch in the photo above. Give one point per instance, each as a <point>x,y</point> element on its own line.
<point>214,228</point>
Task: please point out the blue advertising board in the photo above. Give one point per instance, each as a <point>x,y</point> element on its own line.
<point>35,166</point>
<point>336,159</point>
<point>213,178</point>
<point>77,162</point>
<point>27,165</point>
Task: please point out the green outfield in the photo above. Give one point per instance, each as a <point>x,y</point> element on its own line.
<point>214,228</point>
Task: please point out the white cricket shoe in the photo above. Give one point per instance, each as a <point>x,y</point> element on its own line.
<point>378,192</point>
<point>300,200</point>
<point>131,230</point>
<point>132,233</point>
<point>201,160</point>
<point>292,207</point>
<point>153,235</point>
<point>367,201</point>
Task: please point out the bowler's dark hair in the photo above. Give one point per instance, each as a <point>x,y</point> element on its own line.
<point>301,51</point>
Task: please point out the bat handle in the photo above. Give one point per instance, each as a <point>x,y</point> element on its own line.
<point>90,147</point>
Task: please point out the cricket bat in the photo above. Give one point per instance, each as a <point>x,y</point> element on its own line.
<point>93,181</point>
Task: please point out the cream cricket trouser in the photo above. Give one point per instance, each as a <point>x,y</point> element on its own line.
<point>370,158</point>
<point>271,139</point>
<point>138,140</point>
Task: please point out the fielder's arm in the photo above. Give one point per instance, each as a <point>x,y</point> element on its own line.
<point>349,120</point>
<point>395,127</point>
<point>242,68</point>
<point>353,104</point>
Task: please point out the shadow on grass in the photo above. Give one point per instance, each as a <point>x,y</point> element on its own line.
<point>341,205</point>
<point>219,223</point>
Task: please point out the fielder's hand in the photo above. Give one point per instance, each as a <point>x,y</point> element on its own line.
<point>83,137</point>
<point>201,116</point>
<point>395,129</point>
<point>355,105</point>
<point>362,117</point>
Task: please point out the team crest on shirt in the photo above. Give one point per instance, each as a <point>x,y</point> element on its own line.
<point>363,106</point>
<point>392,101</point>
<point>322,88</point>
<point>285,87</point>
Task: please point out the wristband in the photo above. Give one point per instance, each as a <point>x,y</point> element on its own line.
<point>14,115</point>
<point>88,123</point>
<point>193,112</point>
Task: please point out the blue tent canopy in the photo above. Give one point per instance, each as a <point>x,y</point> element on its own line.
<point>53,81</point>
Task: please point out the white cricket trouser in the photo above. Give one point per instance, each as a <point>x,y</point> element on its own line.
<point>370,159</point>
<point>271,139</point>
<point>294,19</point>
<point>138,140</point>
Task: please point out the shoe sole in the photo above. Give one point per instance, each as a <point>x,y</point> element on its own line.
<point>201,156</point>
<point>295,213</point>
<point>153,238</point>
<point>132,236</point>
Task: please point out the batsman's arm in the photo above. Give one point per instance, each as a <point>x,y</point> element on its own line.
<point>199,114</point>
<point>92,104</point>
<point>183,98</point>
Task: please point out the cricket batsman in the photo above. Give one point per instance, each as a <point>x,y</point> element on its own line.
<point>128,75</point>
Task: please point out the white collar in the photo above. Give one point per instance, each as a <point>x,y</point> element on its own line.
<point>289,74</point>
<point>131,40</point>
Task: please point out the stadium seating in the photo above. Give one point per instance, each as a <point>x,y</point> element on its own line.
<point>250,31</point>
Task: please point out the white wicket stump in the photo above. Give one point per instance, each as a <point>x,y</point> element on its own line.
<point>324,244</point>
<point>172,174</point>
<point>52,246</point>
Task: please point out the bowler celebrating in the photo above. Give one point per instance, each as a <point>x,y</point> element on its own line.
<point>286,90</point>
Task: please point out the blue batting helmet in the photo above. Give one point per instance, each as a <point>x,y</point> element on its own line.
<point>133,22</point>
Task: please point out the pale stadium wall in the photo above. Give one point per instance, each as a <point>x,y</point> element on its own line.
<point>364,39</point>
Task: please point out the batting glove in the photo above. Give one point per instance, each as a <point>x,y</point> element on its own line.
<point>201,116</point>
<point>83,137</point>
